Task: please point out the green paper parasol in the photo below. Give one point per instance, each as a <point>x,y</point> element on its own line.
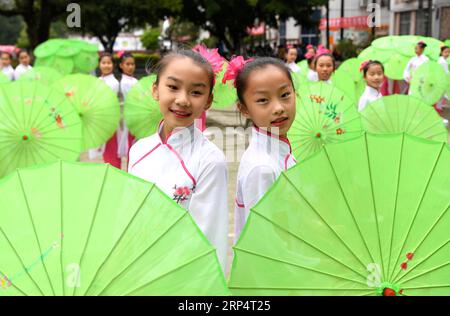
<point>141,111</point>
<point>37,125</point>
<point>4,78</point>
<point>96,104</point>
<point>428,82</point>
<point>64,65</point>
<point>349,79</point>
<point>395,66</point>
<point>45,75</point>
<point>371,53</point>
<point>48,48</point>
<point>402,113</point>
<point>369,216</point>
<point>324,115</point>
<point>304,68</point>
<point>85,229</point>
<point>67,55</point>
<point>224,94</point>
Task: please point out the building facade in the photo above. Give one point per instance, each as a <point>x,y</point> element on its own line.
<point>420,17</point>
<point>359,17</point>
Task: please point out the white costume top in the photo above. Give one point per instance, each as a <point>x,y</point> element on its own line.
<point>126,83</point>
<point>123,145</point>
<point>312,75</point>
<point>412,65</point>
<point>370,94</point>
<point>20,70</point>
<point>9,72</point>
<point>443,62</point>
<point>192,171</point>
<point>293,66</point>
<point>261,164</point>
<point>111,81</point>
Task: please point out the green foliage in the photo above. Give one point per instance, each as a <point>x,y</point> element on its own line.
<point>347,49</point>
<point>105,19</point>
<point>23,41</point>
<point>150,38</point>
<point>10,29</point>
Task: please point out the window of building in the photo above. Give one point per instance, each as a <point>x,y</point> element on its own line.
<point>405,22</point>
<point>422,19</point>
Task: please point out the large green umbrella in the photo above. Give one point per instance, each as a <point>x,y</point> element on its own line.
<point>401,113</point>
<point>224,94</point>
<point>371,53</point>
<point>391,42</point>
<point>67,55</point>
<point>428,82</point>
<point>64,65</point>
<point>85,229</point>
<point>141,111</point>
<point>45,75</point>
<point>304,68</point>
<point>364,217</point>
<point>48,48</point>
<point>37,125</point>
<point>448,85</point>
<point>4,78</point>
<point>349,79</point>
<point>324,115</point>
<point>395,66</point>
<point>299,80</point>
<point>408,42</point>
<point>96,104</point>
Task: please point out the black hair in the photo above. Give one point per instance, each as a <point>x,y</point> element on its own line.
<point>422,45</point>
<point>125,56</point>
<point>258,63</point>
<point>322,55</point>
<point>122,59</point>
<point>443,48</point>
<point>185,53</point>
<point>23,51</point>
<point>370,63</point>
<point>9,54</point>
<point>104,55</point>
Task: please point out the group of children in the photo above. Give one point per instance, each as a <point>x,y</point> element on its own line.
<point>119,144</point>
<point>181,160</point>
<point>192,170</point>
<point>7,69</point>
<point>322,65</point>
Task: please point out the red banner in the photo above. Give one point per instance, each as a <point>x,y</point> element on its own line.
<point>357,22</point>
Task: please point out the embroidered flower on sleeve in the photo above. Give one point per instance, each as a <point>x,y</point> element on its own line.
<point>182,194</point>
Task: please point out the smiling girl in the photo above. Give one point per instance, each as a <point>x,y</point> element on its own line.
<point>178,158</point>
<point>266,96</point>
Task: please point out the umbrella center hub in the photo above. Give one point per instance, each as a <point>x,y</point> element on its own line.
<point>389,289</point>
<point>389,292</point>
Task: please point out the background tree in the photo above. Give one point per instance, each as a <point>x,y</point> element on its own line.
<point>11,27</point>
<point>105,19</point>
<point>38,16</point>
<point>227,20</point>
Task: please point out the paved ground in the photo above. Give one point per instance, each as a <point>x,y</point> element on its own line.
<point>230,118</point>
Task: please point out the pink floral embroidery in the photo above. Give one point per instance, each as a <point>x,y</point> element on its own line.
<point>182,194</point>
